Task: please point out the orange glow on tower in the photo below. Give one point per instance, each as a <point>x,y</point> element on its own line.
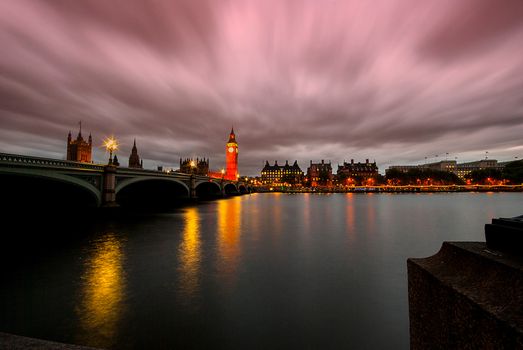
<point>231,157</point>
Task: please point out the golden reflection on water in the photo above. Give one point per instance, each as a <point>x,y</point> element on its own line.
<point>349,216</point>
<point>276,213</point>
<point>306,212</point>
<point>229,228</point>
<point>101,306</point>
<point>371,214</point>
<point>190,255</point>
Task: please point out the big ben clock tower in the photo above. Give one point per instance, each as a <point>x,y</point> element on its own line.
<point>231,157</point>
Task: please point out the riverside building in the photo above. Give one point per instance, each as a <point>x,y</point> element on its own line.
<point>464,169</point>
<point>460,169</point>
<point>444,165</point>
<point>279,174</point>
<point>319,174</point>
<point>358,170</point>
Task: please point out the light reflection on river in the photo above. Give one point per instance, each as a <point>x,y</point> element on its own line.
<point>102,292</point>
<point>229,230</point>
<point>189,251</point>
<point>258,271</point>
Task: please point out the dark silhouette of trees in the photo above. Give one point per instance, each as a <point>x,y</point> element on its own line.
<point>485,176</point>
<point>422,177</point>
<point>513,172</point>
<point>359,180</point>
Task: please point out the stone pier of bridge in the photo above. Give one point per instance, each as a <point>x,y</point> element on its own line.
<point>109,186</point>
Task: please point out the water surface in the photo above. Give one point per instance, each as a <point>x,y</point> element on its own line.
<point>257,271</point>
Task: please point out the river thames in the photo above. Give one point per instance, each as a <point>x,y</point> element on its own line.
<point>255,271</point>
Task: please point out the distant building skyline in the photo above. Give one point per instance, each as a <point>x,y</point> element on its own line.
<point>80,150</point>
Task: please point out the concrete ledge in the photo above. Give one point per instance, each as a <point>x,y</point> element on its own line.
<point>505,234</point>
<point>466,297</point>
<point>16,342</point>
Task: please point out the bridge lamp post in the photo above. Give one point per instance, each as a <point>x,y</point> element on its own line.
<point>193,165</point>
<point>111,145</point>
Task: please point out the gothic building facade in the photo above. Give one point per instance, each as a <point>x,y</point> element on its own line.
<point>79,150</point>
<point>194,166</point>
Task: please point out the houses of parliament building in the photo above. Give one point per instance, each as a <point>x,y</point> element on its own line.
<point>79,150</point>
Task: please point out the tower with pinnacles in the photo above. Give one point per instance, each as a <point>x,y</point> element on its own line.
<point>79,150</point>
<point>134,158</point>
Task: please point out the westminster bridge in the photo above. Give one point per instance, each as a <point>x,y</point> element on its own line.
<point>108,185</point>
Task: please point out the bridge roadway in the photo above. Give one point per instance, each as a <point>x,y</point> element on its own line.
<point>105,182</point>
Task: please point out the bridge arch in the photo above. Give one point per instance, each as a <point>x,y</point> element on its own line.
<point>58,178</point>
<point>208,189</point>
<point>150,191</point>
<point>124,183</point>
<point>242,189</point>
<point>230,189</point>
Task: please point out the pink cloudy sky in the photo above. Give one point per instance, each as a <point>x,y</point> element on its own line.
<point>395,81</point>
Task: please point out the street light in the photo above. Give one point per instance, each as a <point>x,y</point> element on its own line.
<point>111,145</point>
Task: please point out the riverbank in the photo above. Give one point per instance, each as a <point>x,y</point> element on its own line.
<point>396,189</point>
<point>17,342</point>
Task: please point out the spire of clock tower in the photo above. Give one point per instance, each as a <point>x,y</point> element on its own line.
<point>232,137</point>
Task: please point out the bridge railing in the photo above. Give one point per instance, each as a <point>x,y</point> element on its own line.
<point>47,162</point>
<point>160,173</point>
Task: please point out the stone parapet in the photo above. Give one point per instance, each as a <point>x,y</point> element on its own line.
<point>467,296</point>
<point>16,342</point>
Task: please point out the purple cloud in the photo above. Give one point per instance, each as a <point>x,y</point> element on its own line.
<point>395,81</point>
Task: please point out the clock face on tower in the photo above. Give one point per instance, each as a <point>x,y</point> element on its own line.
<point>231,149</point>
